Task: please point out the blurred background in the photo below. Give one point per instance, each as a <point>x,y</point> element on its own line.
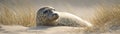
<point>24,11</point>
<point>103,14</point>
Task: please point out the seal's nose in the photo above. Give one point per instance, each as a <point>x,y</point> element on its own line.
<point>56,16</point>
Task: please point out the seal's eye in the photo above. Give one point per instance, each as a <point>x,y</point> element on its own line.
<point>45,12</point>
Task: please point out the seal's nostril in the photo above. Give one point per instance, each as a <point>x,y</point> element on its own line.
<point>55,14</point>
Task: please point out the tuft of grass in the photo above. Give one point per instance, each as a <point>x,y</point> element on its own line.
<point>17,15</point>
<point>106,17</point>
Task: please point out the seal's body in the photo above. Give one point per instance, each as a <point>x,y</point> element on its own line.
<point>48,16</point>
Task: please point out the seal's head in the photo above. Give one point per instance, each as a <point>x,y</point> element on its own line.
<point>47,14</point>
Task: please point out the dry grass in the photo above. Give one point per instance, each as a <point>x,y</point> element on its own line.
<point>106,17</point>
<point>17,15</point>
